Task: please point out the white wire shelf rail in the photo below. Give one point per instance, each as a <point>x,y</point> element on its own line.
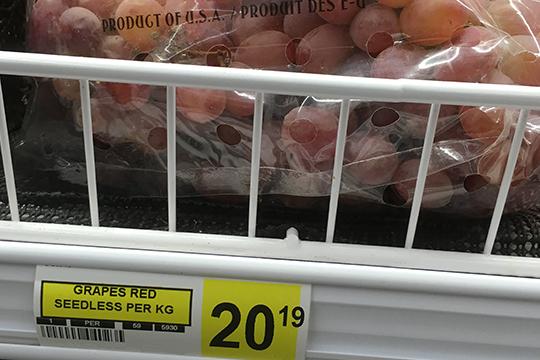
<point>262,82</point>
<point>416,296</point>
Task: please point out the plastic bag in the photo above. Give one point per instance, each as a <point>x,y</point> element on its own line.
<point>16,90</point>
<point>452,40</point>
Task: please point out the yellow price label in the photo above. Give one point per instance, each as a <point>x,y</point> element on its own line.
<point>116,302</point>
<point>252,320</point>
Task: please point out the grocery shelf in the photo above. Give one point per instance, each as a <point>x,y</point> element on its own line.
<point>368,302</point>
<point>358,312</point>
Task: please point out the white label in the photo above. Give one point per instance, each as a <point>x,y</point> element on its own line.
<point>187,315</point>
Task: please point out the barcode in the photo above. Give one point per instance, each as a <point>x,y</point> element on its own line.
<point>84,334</point>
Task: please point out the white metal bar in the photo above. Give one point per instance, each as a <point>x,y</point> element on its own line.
<point>171,156</point>
<point>422,174</point>
<point>262,248</point>
<point>506,181</point>
<point>255,164</point>
<point>7,162</point>
<point>338,169</point>
<point>89,152</point>
<point>368,89</point>
<point>258,269</point>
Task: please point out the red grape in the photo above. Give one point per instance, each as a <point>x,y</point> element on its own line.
<point>145,126</point>
<point>519,43</point>
<point>516,17</point>
<point>116,123</point>
<point>324,49</point>
<point>115,47</point>
<point>465,64</point>
<point>438,190</point>
<point>80,32</point>
<point>227,4</point>
<point>356,118</point>
<point>378,42</point>
<point>43,26</point>
<point>371,21</point>
<point>521,60</point>
<point>522,68</point>
<point>300,24</point>
<point>128,94</point>
<point>264,50</point>
<point>532,139</point>
<point>473,55</point>
<point>483,123</point>
<point>201,105</point>
<point>238,136</point>
<point>104,116</point>
<point>271,153</point>
<point>497,77</point>
<point>149,124</point>
<point>478,13</point>
<point>493,164</point>
<point>239,103</point>
<point>372,159</point>
<point>424,109</point>
<point>146,38</point>
<point>358,64</point>
<point>68,90</point>
<point>432,22</point>
<point>309,135</point>
<point>479,37</point>
<point>243,28</point>
<point>102,8</point>
<point>341,14</point>
<point>51,9</point>
<point>395,3</point>
<point>399,62</point>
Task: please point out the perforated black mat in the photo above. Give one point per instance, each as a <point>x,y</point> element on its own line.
<point>519,234</point>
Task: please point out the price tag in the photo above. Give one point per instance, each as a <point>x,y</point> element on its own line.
<point>254,320</point>
<point>183,315</point>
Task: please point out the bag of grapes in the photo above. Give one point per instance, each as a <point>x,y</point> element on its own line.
<point>447,40</point>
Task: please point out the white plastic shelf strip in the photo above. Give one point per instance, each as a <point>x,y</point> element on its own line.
<point>262,82</point>
<point>29,235</point>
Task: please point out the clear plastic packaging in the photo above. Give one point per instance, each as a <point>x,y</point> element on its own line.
<point>452,40</point>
